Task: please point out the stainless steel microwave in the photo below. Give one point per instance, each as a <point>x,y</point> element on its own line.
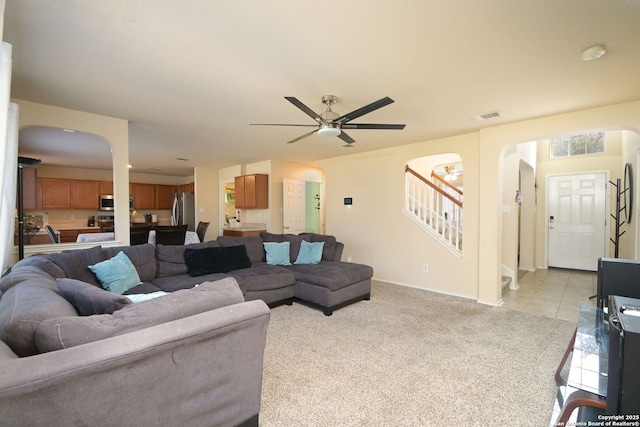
<point>107,202</point>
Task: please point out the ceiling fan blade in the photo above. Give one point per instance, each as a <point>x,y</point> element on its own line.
<point>372,126</point>
<point>315,116</point>
<point>346,138</point>
<point>279,124</point>
<point>302,137</point>
<point>364,110</point>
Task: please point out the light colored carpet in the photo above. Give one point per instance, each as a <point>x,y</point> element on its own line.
<point>409,357</point>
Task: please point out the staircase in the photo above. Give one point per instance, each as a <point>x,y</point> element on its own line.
<point>436,206</point>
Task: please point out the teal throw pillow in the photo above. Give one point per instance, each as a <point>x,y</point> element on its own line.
<point>277,253</point>
<point>117,274</point>
<point>310,253</point>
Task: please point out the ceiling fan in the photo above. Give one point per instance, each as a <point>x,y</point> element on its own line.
<point>450,173</point>
<point>329,123</point>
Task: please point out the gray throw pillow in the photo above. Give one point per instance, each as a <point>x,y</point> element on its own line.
<point>89,299</point>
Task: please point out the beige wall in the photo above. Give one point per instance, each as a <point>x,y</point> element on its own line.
<point>630,242</point>
<point>377,233</point>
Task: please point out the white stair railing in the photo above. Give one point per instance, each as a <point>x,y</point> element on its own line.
<point>436,209</point>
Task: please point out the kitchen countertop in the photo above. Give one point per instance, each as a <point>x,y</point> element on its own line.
<point>247,227</point>
<point>79,227</point>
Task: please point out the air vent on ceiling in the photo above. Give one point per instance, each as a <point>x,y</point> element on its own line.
<point>486,116</point>
<point>182,159</point>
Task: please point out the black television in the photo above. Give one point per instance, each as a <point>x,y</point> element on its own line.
<point>617,276</point>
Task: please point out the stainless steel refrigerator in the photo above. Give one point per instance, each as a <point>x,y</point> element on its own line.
<point>183,210</point>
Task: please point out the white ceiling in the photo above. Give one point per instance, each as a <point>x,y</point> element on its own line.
<point>191,76</point>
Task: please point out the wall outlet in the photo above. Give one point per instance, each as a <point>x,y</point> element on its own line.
<point>349,258</point>
<point>73,217</point>
<point>425,268</point>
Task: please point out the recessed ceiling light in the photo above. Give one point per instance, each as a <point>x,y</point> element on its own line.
<point>129,166</point>
<point>182,159</point>
<point>594,52</point>
<point>69,130</point>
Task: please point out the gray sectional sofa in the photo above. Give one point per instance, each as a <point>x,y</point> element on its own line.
<point>72,353</point>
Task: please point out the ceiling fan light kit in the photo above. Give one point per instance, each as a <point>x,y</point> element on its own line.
<point>331,123</point>
<point>328,131</point>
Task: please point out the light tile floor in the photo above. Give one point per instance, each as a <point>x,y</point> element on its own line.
<point>556,293</point>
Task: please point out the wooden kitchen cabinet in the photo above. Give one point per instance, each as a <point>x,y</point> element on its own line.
<point>144,196</point>
<point>252,191</point>
<point>106,187</point>
<point>56,193</point>
<point>187,188</point>
<point>85,194</point>
<point>71,235</point>
<point>164,196</point>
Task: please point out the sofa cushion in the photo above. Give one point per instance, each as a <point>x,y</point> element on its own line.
<point>255,250</point>
<point>270,237</point>
<point>216,260</point>
<point>331,275</point>
<point>20,274</point>
<point>75,263</point>
<point>277,253</point>
<point>330,242</point>
<point>294,245</point>
<point>310,253</point>
<point>183,281</point>
<point>88,299</point>
<point>6,353</point>
<point>262,277</point>
<point>65,332</point>
<point>40,265</point>
<point>170,258</point>
<point>143,257</point>
<point>23,307</point>
<point>117,274</point>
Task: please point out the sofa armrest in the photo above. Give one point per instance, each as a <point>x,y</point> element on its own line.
<point>204,369</point>
<point>338,254</point>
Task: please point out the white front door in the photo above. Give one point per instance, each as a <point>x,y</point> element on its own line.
<point>293,206</point>
<point>577,220</point>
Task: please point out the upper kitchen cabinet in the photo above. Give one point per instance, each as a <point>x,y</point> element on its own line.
<point>164,196</point>
<point>144,195</point>
<point>187,188</point>
<point>56,193</point>
<point>68,194</point>
<point>106,187</point>
<point>252,191</point>
<point>85,194</point>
